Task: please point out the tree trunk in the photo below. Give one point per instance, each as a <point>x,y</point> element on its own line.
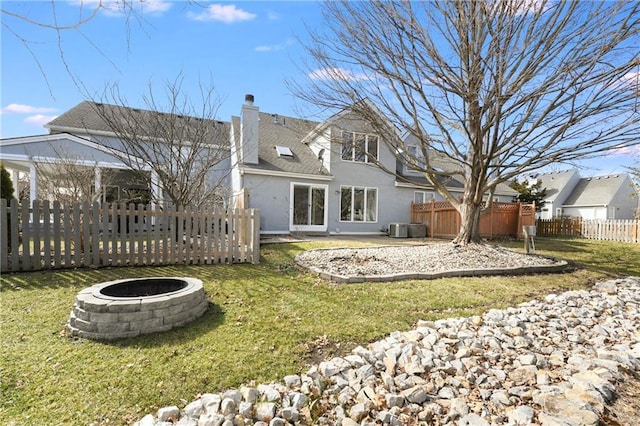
<point>469,223</point>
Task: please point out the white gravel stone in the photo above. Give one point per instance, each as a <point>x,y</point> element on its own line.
<point>478,371</point>
<point>432,258</point>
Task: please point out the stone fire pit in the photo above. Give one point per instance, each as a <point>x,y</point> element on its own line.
<point>131,307</point>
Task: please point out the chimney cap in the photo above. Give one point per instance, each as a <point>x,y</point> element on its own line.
<point>248,98</point>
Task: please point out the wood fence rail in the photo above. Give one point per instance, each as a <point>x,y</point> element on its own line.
<point>49,235</point>
<point>499,219</point>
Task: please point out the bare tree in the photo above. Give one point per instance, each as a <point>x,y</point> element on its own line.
<point>14,14</point>
<point>496,88</point>
<point>181,142</point>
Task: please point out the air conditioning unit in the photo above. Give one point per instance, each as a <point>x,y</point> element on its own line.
<point>417,230</point>
<point>398,230</point>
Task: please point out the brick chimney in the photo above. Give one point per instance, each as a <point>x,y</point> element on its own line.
<point>249,136</point>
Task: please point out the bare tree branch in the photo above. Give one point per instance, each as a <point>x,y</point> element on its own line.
<point>497,88</point>
<point>181,142</point>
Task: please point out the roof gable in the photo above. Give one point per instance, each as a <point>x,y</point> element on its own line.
<point>556,182</point>
<point>596,191</point>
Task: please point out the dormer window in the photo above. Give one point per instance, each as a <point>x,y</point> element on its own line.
<point>284,151</point>
<point>359,147</point>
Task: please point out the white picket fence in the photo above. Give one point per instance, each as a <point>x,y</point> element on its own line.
<point>627,231</point>
<point>49,235</point>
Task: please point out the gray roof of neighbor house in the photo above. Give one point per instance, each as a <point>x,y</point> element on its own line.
<point>596,191</point>
<point>455,184</point>
<point>88,117</point>
<point>554,182</point>
<point>286,132</point>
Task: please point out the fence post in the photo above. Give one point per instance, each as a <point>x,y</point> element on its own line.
<point>432,218</point>
<point>255,236</point>
<point>5,236</point>
<point>46,234</point>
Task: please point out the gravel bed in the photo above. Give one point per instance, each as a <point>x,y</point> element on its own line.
<point>431,258</point>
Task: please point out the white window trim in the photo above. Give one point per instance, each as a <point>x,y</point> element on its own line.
<point>309,228</point>
<point>366,189</point>
<point>427,196</point>
<point>366,149</point>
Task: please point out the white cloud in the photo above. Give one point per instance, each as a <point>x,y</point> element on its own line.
<point>223,13</point>
<point>26,109</point>
<point>274,47</point>
<point>627,151</point>
<point>39,119</point>
<point>120,8</point>
<point>338,74</point>
<point>522,7</point>
<point>632,79</point>
<point>272,16</point>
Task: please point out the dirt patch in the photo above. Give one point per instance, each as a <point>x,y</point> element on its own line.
<point>625,410</point>
<point>322,349</point>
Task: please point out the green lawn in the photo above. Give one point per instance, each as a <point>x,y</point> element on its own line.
<point>260,329</point>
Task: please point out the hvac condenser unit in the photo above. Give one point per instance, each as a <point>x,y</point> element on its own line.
<point>398,230</point>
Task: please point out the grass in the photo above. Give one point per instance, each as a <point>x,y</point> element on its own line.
<point>262,326</point>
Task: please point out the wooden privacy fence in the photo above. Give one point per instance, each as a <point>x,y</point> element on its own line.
<point>559,227</point>
<point>52,236</point>
<point>627,231</point>
<point>499,219</point>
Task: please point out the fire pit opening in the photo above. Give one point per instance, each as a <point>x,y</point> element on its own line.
<point>131,307</point>
<point>144,287</point>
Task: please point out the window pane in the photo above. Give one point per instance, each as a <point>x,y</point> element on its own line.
<point>345,203</point>
<point>360,148</point>
<point>372,205</point>
<point>300,205</point>
<point>347,146</point>
<point>372,149</point>
<point>418,197</point>
<point>358,204</point>
<point>317,206</point>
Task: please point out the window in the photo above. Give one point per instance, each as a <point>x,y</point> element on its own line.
<point>284,151</point>
<point>359,147</point>
<point>423,196</point>
<point>358,204</point>
<point>415,154</point>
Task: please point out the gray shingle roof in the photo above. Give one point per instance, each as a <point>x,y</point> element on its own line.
<point>287,132</point>
<point>85,118</point>
<point>595,191</point>
<point>555,182</point>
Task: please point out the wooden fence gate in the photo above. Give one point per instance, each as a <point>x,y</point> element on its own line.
<point>53,236</point>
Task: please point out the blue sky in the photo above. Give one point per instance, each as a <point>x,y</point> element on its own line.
<point>242,47</point>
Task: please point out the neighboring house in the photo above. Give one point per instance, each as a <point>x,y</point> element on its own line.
<point>33,155</point>
<point>598,197</point>
<point>82,136</point>
<point>307,177</point>
<point>559,186</point>
<point>304,176</point>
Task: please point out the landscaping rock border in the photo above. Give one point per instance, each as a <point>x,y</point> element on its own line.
<point>549,362</point>
<point>422,262</point>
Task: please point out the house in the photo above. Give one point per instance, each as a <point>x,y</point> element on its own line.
<point>35,156</point>
<point>83,136</point>
<point>598,197</point>
<point>559,186</point>
<point>335,176</point>
<point>307,176</point>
